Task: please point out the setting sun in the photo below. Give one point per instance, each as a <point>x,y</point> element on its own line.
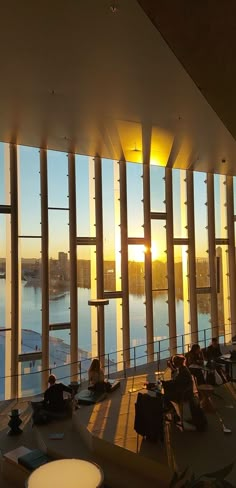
<point>137,253</point>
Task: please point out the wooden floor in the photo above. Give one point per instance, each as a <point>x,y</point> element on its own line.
<point>105,433</point>
<point>112,423</point>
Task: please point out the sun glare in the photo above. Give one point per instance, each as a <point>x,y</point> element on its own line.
<point>138,252</point>
<point>155,251</point>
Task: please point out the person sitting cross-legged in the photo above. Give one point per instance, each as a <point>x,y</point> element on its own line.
<point>96,376</point>
<point>53,404</point>
<point>53,397</point>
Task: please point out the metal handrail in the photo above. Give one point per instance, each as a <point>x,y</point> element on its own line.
<point>112,367</point>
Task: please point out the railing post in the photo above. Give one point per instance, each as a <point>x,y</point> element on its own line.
<point>124,367</point>
<point>134,358</point>
<point>204,338</point>
<point>182,344</point>
<point>80,374</point>
<point>108,365</point>
<point>159,355</point>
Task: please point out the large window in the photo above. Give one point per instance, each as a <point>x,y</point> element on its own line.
<point>108,234</point>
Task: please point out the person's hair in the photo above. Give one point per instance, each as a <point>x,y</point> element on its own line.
<point>178,360</point>
<point>195,348</point>
<point>214,339</point>
<point>95,365</point>
<point>52,379</point>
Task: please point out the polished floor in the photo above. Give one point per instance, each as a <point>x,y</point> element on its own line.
<point>105,433</point>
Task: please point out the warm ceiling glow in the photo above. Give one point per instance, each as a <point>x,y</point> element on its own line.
<point>161,145</point>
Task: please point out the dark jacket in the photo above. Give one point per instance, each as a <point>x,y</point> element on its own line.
<point>213,353</point>
<point>181,386</point>
<point>53,396</point>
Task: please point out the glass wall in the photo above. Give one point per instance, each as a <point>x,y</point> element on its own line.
<point>105,255</point>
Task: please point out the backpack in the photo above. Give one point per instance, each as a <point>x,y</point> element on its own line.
<point>40,417</point>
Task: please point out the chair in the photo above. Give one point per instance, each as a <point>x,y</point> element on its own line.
<point>186,398</point>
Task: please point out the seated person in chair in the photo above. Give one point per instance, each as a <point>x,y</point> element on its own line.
<point>53,396</point>
<point>213,355</point>
<point>180,387</point>
<point>195,363</point>
<point>96,376</point>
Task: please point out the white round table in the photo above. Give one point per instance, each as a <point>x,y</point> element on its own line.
<point>66,473</point>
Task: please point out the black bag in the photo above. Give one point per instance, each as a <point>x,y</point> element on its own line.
<point>40,417</point>
<point>210,378</point>
<point>148,420</point>
<point>198,415</point>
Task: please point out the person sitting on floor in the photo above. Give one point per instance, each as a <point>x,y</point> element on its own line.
<point>53,396</point>
<point>195,363</point>
<point>96,376</point>
<point>53,403</point>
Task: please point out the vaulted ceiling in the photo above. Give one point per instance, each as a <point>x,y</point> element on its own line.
<point>132,80</point>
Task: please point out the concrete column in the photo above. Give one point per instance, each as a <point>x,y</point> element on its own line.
<point>231,237</point>
<point>212,253</point>
<point>192,258</point>
<point>170,261</point>
<point>14,271</point>
<point>124,264</point>
<point>148,262</point>
<point>99,254</point>
<point>44,267</point>
<point>73,269</point>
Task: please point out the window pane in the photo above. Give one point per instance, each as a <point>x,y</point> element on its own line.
<point>87,316</point>
<point>201,231</point>
<point>59,277</point>
<point>5,270</point>
<point>159,280</point>
<point>5,364</point>
<point>204,318</point>
<point>85,193</point>
<point>31,384</point>
<point>137,296</point>
<point>223,295</point>
<point>182,290</point>
<point>134,199</point>
<point>179,203</point>
<point>29,192</point>
<point>157,189</point>
<point>4,174</point>
<point>30,302</point>
<point>111,228</point>
<point>220,206</point>
<point>57,179</point>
